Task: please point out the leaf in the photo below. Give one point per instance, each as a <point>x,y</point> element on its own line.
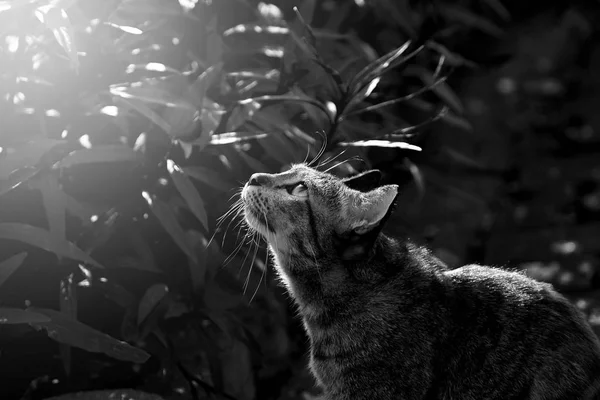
<point>381,143</point>
<point>10,265</point>
<point>197,91</point>
<point>68,306</point>
<point>58,21</point>
<point>41,238</point>
<point>128,29</point>
<point>149,113</point>
<point>152,91</point>
<point>188,192</point>
<point>235,137</point>
<point>442,89</point>
<point>198,270</point>
<point>99,154</point>
<point>26,154</point>
<point>208,177</point>
<point>151,298</point>
<point>469,19</point>
<point>18,316</point>
<point>165,216</point>
<point>54,205</point>
<point>66,330</point>
<point>417,176</point>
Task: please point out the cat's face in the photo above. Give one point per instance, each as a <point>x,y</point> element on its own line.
<point>305,212</point>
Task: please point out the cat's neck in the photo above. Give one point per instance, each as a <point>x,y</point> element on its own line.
<point>326,285</point>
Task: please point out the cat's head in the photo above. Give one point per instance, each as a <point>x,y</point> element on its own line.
<point>305,212</point>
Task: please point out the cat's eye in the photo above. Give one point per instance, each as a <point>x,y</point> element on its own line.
<point>299,189</point>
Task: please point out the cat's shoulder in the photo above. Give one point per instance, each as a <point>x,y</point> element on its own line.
<point>495,278</point>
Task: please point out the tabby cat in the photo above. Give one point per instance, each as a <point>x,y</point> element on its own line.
<point>387,320</point>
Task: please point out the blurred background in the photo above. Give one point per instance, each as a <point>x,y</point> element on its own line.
<point>127,128</point>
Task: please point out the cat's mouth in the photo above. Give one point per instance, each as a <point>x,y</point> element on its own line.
<point>257,219</point>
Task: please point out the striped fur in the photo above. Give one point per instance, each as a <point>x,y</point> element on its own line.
<point>388,321</point>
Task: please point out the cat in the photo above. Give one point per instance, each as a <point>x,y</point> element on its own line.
<point>387,320</point>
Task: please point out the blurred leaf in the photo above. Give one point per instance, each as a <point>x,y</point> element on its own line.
<point>10,265</point>
<point>43,239</point>
<point>499,8</point>
<point>291,98</point>
<point>16,179</point>
<point>19,316</point>
<point>153,91</point>
<point>235,137</point>
<point>197,91</point>
<point>143,250</point>
<point>150,66</point>
<point>452,58</point>
<point>154,294</point>
<point>68,306</point>
<point>54,205</point>
<point>188,191</point>
<point>439,86</point>
<point>466,17</point>
<point>165,215</point>
<point>198,270</point>
<point>99,154</point>
<point>241,114</point>
<point>445,116</point>
<point>128,29</point>
<point>381,143</point>
<point>58,21</point>
<point>147,112</point>
<point>417,176</point>
<point>256,28</point>
<point>209,177</point>
<point>66,330</point>
<point>23,155</point>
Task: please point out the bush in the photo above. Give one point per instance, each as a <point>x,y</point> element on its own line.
<point>126,126</point>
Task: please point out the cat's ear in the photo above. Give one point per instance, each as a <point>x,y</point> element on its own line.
<point>372,207</point>
<point>364,181</point>
<point>367,215</point>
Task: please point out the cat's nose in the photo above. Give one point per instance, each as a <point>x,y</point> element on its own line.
<point>258,180</point>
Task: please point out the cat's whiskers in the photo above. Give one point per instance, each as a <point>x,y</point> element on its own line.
<point>321,151</point>
<point>343,162</point>
<point>331,158</point>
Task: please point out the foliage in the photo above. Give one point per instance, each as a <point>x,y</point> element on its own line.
<point>125,125</point>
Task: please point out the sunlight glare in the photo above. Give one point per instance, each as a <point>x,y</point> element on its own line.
<point>13,43</point>
<point>52,113</point>
<point>85,141</point>
<point>113,111</point>
<point>270,11</point>
<point>148,199</point>
<point>188,5</point>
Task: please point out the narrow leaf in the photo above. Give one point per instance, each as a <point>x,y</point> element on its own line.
<point>235,137</point>
<point>24,155</point>
<point>188,191</point>
<point>147,112</point>
<point>18,316</point>
<point>41,238</point>
<point>10,265</point>
<point>99,154</point>
<point>167,218</point>
<point>208,177</point>
<point>149,301</point>
<point>54,205</point>
<point>58,21</point>
<point>381,143</point>
<point>66,330</point>
<point>68,306</point>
